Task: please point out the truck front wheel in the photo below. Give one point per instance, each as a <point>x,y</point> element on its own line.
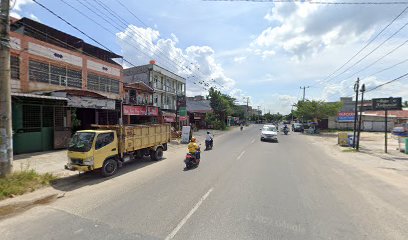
<point>109,168</point>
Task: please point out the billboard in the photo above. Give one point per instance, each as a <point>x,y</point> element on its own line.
<point>345,117</point>
<point>387,103</point>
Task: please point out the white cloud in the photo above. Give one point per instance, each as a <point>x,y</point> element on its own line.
<point>35,18</point>
<point>16,7</point>
<point>302,29</point>
<point>197,63</point>
<point>239,59</point>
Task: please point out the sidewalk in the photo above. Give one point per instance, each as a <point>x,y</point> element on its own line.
<point>54,161</point>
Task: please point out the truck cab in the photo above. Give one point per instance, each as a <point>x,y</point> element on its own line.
<point>89,149</point>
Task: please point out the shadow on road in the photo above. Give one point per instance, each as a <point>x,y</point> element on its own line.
<point>94,177</point>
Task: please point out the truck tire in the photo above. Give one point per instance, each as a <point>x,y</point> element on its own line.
<point>156,155</point>
<point>109,167</point>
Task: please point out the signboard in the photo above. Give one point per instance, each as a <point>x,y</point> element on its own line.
<point>185,134</point>
<point>343,139</point>
<point>181,101</point>
<point>88,102</point>
<point>182,111</point>
<point>182,118</point>
<point>152,111</point>
<point>345,117</point>
<point>169,119</point>
<point>134,110</point>
<point>387,103</point>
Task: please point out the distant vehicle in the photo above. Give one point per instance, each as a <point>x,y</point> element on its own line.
<point>297,127</point>
<point>401,130</point>
<point>269,132</point>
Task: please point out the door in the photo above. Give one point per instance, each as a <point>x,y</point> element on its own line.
<point>105,147</point>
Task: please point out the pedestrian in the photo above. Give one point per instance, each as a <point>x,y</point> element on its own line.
<point>191,132</point>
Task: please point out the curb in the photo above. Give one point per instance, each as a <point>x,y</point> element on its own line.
<point>12,206</point>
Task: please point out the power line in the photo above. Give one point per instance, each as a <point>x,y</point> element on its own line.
<point>104,29</point>
<point>315,2</point>
<point>388,82</point>
<point>368,43</point>
<point>76,28</point>
<point>157,35</point>
<point>368,54</point>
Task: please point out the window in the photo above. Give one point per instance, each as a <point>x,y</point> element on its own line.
<point>103,84</point>
<point>56,75</point>
<point>15,67</point>
<point>104,139</point>
<point>31,117</point>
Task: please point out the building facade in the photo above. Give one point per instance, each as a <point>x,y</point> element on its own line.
<point>138,104</point>
<point>198,107</point>
<point>167,86</point>
<point>59,83</point>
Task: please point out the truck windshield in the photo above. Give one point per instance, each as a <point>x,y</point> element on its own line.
<point>81,141</point>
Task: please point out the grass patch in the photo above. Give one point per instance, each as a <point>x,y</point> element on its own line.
<point>22,182</point>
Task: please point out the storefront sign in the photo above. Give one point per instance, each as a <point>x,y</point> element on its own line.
<point>183,111</point>
<point>182,118</point>
<point>169,119</point>
<point>387,103</point>
<point>152,111</point>
<point>89,102</point>
<point>134,110</point>
<point>345,117</point>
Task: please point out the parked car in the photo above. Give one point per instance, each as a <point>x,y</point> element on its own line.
<point>269,132</point>
<point>297,127</point>
<point>401,130</point>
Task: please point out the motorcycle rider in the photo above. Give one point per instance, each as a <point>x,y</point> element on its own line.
<point>285,128</point>
<point>193,148</point>
<point>209,138</point>
<point>242,126</point>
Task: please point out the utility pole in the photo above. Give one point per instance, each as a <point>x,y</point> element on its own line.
<point>247,108</point>
<point>356,88</point>
<point>304,91</point>
<point>6,147</point>
<point>362,90</point>
<point>257,114</point>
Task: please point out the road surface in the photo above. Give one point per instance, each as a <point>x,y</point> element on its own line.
<point>243,189</point>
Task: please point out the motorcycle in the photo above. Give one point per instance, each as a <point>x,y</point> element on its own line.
<point>209,144</point>
<point>285,131</point>
<point>191,161</point>
<point>242,128</point>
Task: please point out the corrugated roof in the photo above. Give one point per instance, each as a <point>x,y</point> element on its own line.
<point>38,96</point>
<point>198,106</point>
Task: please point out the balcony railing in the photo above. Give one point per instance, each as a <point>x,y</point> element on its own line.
<point>136,101</point>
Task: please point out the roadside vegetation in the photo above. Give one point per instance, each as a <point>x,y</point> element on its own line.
<point>22,182</point>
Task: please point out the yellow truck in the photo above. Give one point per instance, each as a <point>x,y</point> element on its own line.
<point>109,146</point>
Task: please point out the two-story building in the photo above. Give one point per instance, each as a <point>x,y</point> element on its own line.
<point>59,82</point>
<point>167,87</point>
<point>138,105</point>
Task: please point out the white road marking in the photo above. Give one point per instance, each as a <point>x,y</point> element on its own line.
<point>253,140</point>
<point>240,155</point>
<point>184,220</point>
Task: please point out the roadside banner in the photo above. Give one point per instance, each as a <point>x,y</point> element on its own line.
<point>185,134</point>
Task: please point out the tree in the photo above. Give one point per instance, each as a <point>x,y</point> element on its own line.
<point>316,110</point>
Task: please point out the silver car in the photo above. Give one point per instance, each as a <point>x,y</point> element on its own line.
<point>269,133</point>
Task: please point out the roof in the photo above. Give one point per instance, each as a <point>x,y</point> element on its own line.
<point>51,35</point>
<point>391,113</point>
<point>198,106</point>
<point>30,95</point>
<point>139,86</point>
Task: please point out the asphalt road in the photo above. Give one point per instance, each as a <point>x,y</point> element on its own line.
<point>243,189</point>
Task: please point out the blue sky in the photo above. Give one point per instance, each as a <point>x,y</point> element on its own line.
<point>264,51</point>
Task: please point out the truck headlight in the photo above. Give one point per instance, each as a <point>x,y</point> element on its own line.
<point>88,161</point>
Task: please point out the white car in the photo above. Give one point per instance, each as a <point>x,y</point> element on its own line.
<point>269,132</point>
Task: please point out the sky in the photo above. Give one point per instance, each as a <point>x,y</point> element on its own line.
<point>260,51</point>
